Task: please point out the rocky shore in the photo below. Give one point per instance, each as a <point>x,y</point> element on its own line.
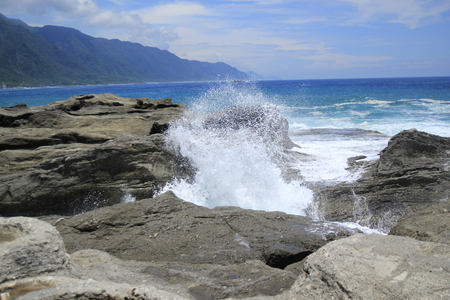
<point>80,217</point>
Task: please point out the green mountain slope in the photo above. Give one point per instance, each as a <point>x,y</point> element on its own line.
<point>54,55</point>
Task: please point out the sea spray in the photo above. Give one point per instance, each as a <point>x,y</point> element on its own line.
<point>236,154</point>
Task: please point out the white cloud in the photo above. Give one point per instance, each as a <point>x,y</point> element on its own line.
<point>409,12</point>
<point>173,13</point>
<point>89,13</point>
<point>74,8</point>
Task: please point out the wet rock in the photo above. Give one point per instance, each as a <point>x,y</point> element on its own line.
<point>75,155</point>
<point>410,175</point>
<point>266,122</point>
<point>375,267</point>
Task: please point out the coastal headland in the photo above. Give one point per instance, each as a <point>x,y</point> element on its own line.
<point>82,216</point>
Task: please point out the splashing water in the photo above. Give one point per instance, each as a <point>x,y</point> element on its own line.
<point>235,166</point>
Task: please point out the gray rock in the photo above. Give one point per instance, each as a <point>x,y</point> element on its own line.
<point>266,122</point>
<point>411,174</point>
<point>166,228</point>
<point>75,155</point>
<point>29,247</point>
<point>49,273</point>
<point>431,224</point>
<point>375,267</point>
<point>50,288</point>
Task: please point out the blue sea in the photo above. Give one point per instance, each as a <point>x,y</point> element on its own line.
<point>329,120</point>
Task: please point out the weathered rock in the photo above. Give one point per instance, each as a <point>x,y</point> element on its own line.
<point>200,281</point>
<point>266,122</point>
<point>29,247</point>
<point>34,265</point>
<point>411,174</point>
<point>166,228</point>
<point>60,287</point>
<point>431,224</point>
<point>375,267</point>
<point>87,151</point>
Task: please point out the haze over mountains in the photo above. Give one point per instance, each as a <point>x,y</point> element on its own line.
<point>55,55</point>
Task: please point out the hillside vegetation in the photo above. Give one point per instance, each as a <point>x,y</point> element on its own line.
<point>55,55</point>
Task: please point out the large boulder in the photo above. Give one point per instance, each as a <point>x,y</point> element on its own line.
<point>74,155</point>
<point>411,174</point>
<point>265,121</point>
<point>166,228</point>
<point>375,267</point>
<point>29,247</point>
<point>35,265</point>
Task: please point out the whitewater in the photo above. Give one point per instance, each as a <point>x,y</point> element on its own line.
<point>330,121</point>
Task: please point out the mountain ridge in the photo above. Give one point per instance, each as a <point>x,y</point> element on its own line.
<point>56,55</point>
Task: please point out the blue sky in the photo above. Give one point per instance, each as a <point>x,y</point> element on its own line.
<point>288,39</point>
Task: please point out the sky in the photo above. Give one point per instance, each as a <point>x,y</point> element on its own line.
<point>314,39</point>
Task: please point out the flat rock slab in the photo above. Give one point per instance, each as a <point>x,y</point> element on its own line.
<point>166,228</point>
<point>375,267</point>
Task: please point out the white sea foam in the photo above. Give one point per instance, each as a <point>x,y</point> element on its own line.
<point>234,167</point>
<point>329,154</point>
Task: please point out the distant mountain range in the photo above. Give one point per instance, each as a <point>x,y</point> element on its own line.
<point>55,55</point>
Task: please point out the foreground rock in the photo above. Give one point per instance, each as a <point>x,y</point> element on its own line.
<point>357,267</point>
<point>166,228</point>
<point>35,265</point>
<point>210,255</point>
<point>411,174</point>
<point>375,267</point>
<point>74,155</point>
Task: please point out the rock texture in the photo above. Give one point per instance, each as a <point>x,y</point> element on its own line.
<point>74,155</point>
<point>28,248</point>
<point>431,224</point>
<point>79,158</point>
<point>166,228</point>
<point>411,174</point>
<point>375,267</point>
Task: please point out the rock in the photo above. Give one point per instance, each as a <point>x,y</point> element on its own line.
<point>375,267</point>
<point>29,247</point>
<point>200,281</point>
<point>78,154</point>
<point>410,175</point>
<point>68,288</point>
<point>34,265</point>
<point>166,228</point>
<point>431,224</point>
<point>266,122</point>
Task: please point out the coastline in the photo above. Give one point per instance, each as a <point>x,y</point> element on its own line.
<point>48,161</point>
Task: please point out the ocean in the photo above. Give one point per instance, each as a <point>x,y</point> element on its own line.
<point>329,120</point>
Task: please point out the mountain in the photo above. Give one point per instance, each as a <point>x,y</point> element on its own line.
<point>55,55</point>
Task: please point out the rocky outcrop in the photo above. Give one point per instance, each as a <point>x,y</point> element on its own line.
<point>35,265</point>
<point>201,254</point>
<point>266,122</point>
<point>411,174</point>
<point>431,224</point>
<point>166,228</point>
<point>74,155</point>
<point>29,248</point>
<point>375,267</point>
<point>83,155</point>
<point>356,267</point>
